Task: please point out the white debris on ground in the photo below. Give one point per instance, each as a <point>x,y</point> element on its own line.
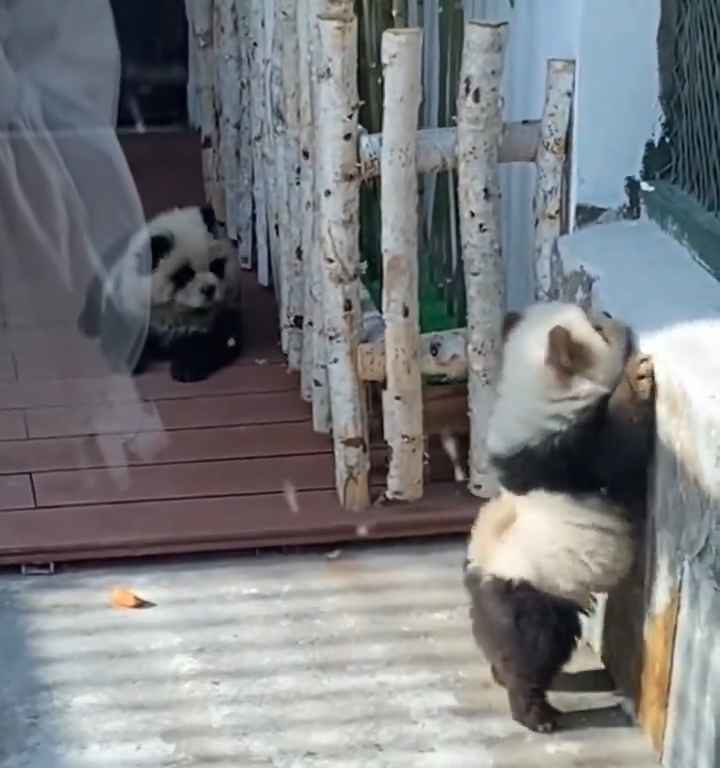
<point>291,497</point>
<point>278,661</point>
<point>450,446</point>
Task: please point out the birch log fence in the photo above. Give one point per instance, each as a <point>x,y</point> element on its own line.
<point>284,157</point>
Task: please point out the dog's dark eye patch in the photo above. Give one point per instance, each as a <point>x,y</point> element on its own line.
<point>217,267</point>
<point>208,216</point>
<point>160,246</point>
<point>182,276</point>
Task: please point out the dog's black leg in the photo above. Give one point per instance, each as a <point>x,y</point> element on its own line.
<point>527,636</point>
<point>191,359</point>
<point>200,355</point>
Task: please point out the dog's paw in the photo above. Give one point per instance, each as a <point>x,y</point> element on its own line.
<point>186,372</point>
<point>640,372</point>
<point>539,716</point>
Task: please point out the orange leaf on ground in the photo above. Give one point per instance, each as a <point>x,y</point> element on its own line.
<point>125,598</point>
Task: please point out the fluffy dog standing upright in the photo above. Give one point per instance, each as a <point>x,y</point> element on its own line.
<point>571,437</point>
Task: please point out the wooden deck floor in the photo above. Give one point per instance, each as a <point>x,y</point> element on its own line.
<point>94,464</point>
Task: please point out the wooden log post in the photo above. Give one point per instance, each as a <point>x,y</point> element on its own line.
<point>321,405</point>
<point>402,396</point>
<point>245,141</point>
<point>257,91</point>
<point>228,64</point>
<point>273,151</point>
<point>307,190</point>
<point>315,377</point>
<point>551,157</point>
<point>478,136</point>
<point>275,159</point>
<point>291,231</point>
<point>217,171</point>
<point>338,181</point>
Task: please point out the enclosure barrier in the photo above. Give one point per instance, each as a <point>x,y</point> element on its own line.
<point>338,192</point>
<point>283,161</point>
<point>402,395</point>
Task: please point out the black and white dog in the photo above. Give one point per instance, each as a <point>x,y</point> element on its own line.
<point>176,271</point>
<point>571,438</point>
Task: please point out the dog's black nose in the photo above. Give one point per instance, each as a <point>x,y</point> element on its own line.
<point>208,291</point>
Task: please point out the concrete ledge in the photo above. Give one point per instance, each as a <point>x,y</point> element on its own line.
<point>660,633</point>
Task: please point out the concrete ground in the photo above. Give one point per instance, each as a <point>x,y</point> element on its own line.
<point>361,658</point>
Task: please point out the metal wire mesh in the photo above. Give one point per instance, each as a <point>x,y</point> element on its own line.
<point>689,41</point>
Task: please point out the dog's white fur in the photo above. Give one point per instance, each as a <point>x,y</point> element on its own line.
<point>533,401</point>
<point>135,289</point>
<point>565,546</point>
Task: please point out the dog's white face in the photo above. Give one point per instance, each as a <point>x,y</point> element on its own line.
<point>175,263</point>
<point>191,278</point>
<point>557,361</point>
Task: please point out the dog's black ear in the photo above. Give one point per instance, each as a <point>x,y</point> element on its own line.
<point>208,215</point>
<point>160,246</point>
<point>510,320</point>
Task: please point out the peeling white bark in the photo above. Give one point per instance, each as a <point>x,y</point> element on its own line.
<point>290,221</point>
<point>479,133</point>
<point>244,200</point>
<point>314,285</point>
<point>437,148</point>
<point>402,396</point>
<point>321,404</point>
<point>338,185</point>
<point>552,153</point>
<point>307,191</point>
<point>228,65</point>
<point>217,197</point>
<point>257,94</point>
<point>272,153</point>
<point>442,353</point>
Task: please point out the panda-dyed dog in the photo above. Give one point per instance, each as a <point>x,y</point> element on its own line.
<point>571,438</point>
<point>189,281</point>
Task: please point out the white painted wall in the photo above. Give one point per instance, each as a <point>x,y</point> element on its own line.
<point>616,110</point>
<point>617,105</point>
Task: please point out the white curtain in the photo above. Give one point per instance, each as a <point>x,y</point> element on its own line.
<point>66,193</point>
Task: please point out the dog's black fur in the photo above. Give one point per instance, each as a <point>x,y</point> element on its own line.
<point>195,356</point>
<point>601,452</point>
<point>526,634</point>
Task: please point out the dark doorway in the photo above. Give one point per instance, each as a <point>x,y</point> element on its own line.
<point>153,37</point>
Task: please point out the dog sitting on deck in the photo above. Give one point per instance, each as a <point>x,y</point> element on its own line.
<point>188,279</point>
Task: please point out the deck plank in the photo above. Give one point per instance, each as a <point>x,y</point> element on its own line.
<point>12,425</point>
<point>226,523</point>
<point>234,410</point>
<point>176,481</point>
<point>16,492</point>
<point>154,385</point>
<point>95,451</point>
